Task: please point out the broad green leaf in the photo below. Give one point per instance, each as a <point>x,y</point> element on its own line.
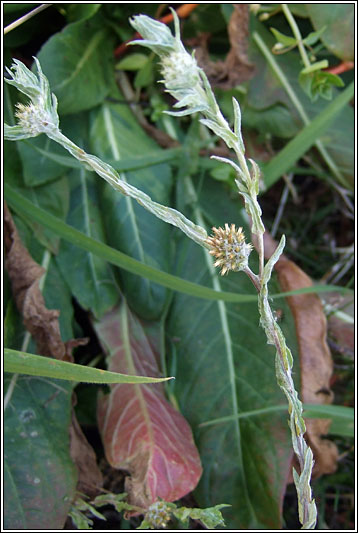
<point>224,367</point>
<point>11,8</point>
<point>299,10</point>
<point>14,330</point>
<point>91,280</point>
<point>78,63</point>
<point>39,169</point>
<point>53,196</point>
<point>57,295</point>
<point>115,134</point>
<point>155,157</point>
<point>40,477</point>
<point>339,20</point>
<point>68,233</point>
<point>276,120</point>
<point>79,12</point>
<point>38,365</point>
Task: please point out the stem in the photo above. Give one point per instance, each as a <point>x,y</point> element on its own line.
<point>255,279</point>
<point>296,32</point>
<point>261,253</point>
<point>26,17</point>
<point>297,104</point>
<point>168,214</point>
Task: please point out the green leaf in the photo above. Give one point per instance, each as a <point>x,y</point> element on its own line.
<point>224,366</point>
<point>283,39</point>
<point>155,157</point>
<point>339,21</point>
<point>319,83</point>
<point>132,62</point>
<point>211,517</point>
<point>21,205</point>
<point>116,134</point>
<point>318,65</point>
<point>57,295</point>
<point>314,36</point>
<point>39,169</point>
<point>342,417</point>
<point>89,277</point>
<point>78,63</point>
<point>79,12</point>
<point>144,76</point>
<point>39,476</point>
<point>11,8</point>
<point>37,365</point>
<point>288,156</point>
<point>276,120</point>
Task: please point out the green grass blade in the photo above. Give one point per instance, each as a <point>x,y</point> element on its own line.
<point>24,207</point>
<point>299,145</point>
<point>37,365</point>
<point>342,417</point>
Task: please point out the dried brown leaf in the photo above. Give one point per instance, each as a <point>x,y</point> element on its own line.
<point>141,432</point>
<point>44,327</point>
<point>236,68</point>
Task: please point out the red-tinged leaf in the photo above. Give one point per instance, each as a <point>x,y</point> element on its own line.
<point>141,432</point>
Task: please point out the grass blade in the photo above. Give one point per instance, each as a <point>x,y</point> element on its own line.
<point>38,365</point>
<point>307,137</point>
<point>24,207</point>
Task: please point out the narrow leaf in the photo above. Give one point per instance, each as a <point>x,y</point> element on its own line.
<point>296,148</point>
<point>37,365</point>
<point>24,206</point>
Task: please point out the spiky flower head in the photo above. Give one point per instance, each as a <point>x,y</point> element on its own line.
<point>158,515</point>
<point>40,115</point>
<point>182,76</point>
<point>229,248</point>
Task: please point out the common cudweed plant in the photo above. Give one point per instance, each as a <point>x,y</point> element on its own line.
<point>188,84</point>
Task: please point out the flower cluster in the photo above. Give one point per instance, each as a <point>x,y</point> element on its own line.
<point>33,119</point>
<point>158,515</point>
<point>230,249</point>
<point>182,76</point>
<point>40,115</point>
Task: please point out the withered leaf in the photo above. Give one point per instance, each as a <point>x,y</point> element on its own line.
<point>141,432</point>
<point>236,68</point>
<point>44,327</point>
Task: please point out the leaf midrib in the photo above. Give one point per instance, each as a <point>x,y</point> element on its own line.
<point>87,52</point>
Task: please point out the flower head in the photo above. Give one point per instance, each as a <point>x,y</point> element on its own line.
<point>182,76</point>
<point>40,115</point>
<point>156,35</point>
<point>229,248</point>
<point>158,514</point>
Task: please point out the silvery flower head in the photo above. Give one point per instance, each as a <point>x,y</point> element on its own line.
<point>41,112</point>
<point>182,77</point>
